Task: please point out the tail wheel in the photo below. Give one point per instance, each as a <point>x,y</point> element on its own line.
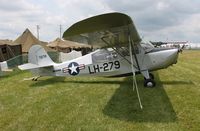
<point>149,83</point>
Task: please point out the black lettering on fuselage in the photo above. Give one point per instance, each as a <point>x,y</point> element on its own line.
<point>96,68</point>
<point>105,67</point>
<point>91,72</point>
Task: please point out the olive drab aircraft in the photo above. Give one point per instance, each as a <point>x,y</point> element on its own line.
<point>121,52</point>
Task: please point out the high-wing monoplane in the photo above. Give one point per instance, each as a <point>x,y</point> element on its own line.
<point>121,52</point>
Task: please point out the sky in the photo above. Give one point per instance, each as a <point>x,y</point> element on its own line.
<point>155,20</point>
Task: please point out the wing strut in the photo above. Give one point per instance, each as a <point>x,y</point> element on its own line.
<point>133,70</point>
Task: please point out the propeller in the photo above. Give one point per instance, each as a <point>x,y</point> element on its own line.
<point>180,49</point>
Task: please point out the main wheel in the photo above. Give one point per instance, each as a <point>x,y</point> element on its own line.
<point>149,83</point>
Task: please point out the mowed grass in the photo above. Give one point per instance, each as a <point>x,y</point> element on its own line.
<point>96,103</point>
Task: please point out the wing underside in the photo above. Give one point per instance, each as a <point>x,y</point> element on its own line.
<point>103,31</point>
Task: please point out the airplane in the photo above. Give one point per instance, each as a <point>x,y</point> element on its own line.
<point>121,52</point>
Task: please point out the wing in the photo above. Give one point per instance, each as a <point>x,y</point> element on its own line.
<point>107,30</point>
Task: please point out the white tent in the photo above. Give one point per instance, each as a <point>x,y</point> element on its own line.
<point>193,46</point>
<point>69,56</point>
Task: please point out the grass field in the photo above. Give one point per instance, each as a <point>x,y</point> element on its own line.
<point>95,103</point>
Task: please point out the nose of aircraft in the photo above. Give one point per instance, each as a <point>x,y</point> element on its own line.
<point>173,55</point>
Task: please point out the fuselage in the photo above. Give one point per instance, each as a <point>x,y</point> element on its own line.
<point>106,62</point>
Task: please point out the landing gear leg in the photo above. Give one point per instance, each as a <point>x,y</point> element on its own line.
<point>36,78</point>
<point>148,79</point>
<point>151,76</point>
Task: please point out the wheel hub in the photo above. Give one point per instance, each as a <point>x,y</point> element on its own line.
<point>150,84</point>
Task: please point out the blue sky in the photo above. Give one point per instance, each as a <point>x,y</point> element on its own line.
<point>156,20</point>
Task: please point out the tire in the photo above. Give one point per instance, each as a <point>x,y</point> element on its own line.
<point>149,83</point>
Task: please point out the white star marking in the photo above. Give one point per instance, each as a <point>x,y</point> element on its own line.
<point>73,69</point>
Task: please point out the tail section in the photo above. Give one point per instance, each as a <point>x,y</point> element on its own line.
<point>37,58</point>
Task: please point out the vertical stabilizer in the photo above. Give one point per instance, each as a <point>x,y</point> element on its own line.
<point>37,58</point>
<point>37,55</point>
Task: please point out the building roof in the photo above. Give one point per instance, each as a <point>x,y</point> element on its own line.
<point>6,42</point>
<point>66,44</point>
<point>27,39</point>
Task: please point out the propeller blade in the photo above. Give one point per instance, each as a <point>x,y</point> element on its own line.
<point>180,50</point>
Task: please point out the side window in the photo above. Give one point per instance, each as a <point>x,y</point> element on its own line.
<point>4,50</point>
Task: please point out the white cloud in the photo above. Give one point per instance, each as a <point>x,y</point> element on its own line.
<point>16,16</point>
<point>161,5</point>
<point>49,15</point>
<point>154,19</point>
<point>76,10</point>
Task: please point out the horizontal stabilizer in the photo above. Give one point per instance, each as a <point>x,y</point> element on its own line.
<point>30,66</point>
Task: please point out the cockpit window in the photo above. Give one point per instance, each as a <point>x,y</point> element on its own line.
<point>103,55</point>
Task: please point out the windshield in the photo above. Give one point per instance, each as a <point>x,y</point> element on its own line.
<point>147,46</point>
